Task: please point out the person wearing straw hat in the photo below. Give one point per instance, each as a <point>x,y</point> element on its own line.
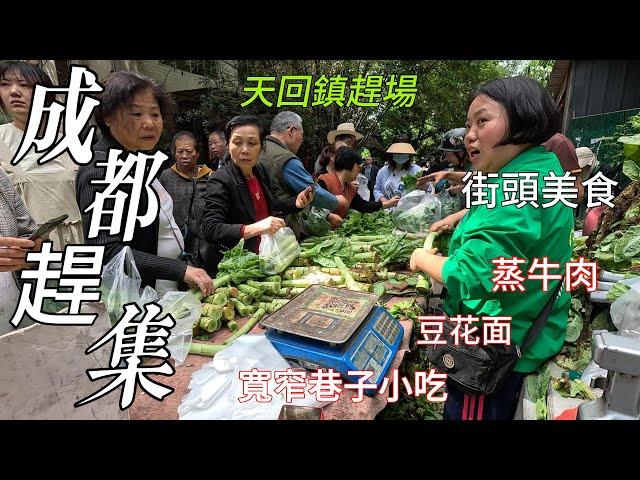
<point>588,162</point>
<point>389,181</point>
<point>348,165</point>
<point>345,135</point>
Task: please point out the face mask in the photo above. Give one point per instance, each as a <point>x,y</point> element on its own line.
<point>401,158</point>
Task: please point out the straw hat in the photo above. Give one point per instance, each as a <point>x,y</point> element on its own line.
<point>343,129</point>
<point>401,148</point>
<point>585,156</point>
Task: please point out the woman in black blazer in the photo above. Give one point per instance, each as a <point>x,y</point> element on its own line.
<point>239,203</point>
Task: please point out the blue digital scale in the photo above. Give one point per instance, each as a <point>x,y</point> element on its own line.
<point>329,327</point>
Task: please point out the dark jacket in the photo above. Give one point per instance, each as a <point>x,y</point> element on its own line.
<point>188,207</point>
<point>144,243</point>
<point>228,206</point>
<point>372,177</point>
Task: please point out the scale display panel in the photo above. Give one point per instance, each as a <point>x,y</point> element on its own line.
<point>371,346</point>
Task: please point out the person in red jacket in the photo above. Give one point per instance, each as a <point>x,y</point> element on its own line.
<point>347,166</point>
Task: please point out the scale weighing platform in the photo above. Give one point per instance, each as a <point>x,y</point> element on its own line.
<point>328,327</point>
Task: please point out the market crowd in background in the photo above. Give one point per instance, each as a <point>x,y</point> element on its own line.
<point>250,181</point>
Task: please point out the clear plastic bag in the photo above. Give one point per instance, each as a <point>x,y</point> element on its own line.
<point>185,309</point>
<point>216,387</point>
<point>277,251</point>
<point>450,204</point>
<point>120,283</point>
<point>625,311</point>
<point>416,211</point>
<point>314,221</point>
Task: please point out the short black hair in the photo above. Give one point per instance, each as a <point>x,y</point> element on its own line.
<point>325,155</point>
<point>180,135</point>
<point>242,120</point>
<point>30,73</point>
<point>119,90</point>
<point>346,158</point>
<point>532,116</point>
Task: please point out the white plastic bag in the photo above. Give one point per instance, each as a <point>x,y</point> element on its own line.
<point>363,187</point>
<point>185,309</point>
<point>120,283</point>
<point>277,251</point>
<point>625,311</point>
<point>592,372</point>
<point>416,211</point>
<point>215,389</point>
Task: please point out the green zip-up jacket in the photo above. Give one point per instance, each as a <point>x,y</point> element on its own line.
<point>507,231</point>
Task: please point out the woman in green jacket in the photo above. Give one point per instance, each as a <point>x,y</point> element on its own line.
<point>507,121</point>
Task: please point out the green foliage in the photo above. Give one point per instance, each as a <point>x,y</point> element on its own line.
<point>615,148</point>
<point>572,388</point>
<point>631,150</point>
<point>240,264</point>
<point>5,118</point>
<point>356,223</point>
<point>441,101</point>
<point>411,181</point>
<point>574,322</point>
<point>537,386</point>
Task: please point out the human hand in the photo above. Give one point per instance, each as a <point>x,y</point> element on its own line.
<point>13,253</point>
<point>419,257</point>
<point>269,225</point>
<point>334,220</point>
<point>422,181</point>
<point>392,202</point>
<point>342,201</point>
<point>456,189</point>
<point>197,277</point>
<point>448,223</point>
<point>38,243</point>
<point>433,177</point>
<point>305,197</point>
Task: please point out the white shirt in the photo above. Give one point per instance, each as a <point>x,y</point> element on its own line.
<point>170,240</point>
<point>12,137</point>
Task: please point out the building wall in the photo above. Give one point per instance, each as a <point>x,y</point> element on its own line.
<point>602,86</point>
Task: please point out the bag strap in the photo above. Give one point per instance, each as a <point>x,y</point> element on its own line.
<point>193,196</point>
<point>540,320</point>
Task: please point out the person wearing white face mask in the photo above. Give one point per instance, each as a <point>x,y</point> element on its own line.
<point>389,180</point>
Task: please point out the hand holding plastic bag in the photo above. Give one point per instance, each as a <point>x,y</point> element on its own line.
<point>120,283</point>
<point>278,250</point>
<point>314,221</point>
